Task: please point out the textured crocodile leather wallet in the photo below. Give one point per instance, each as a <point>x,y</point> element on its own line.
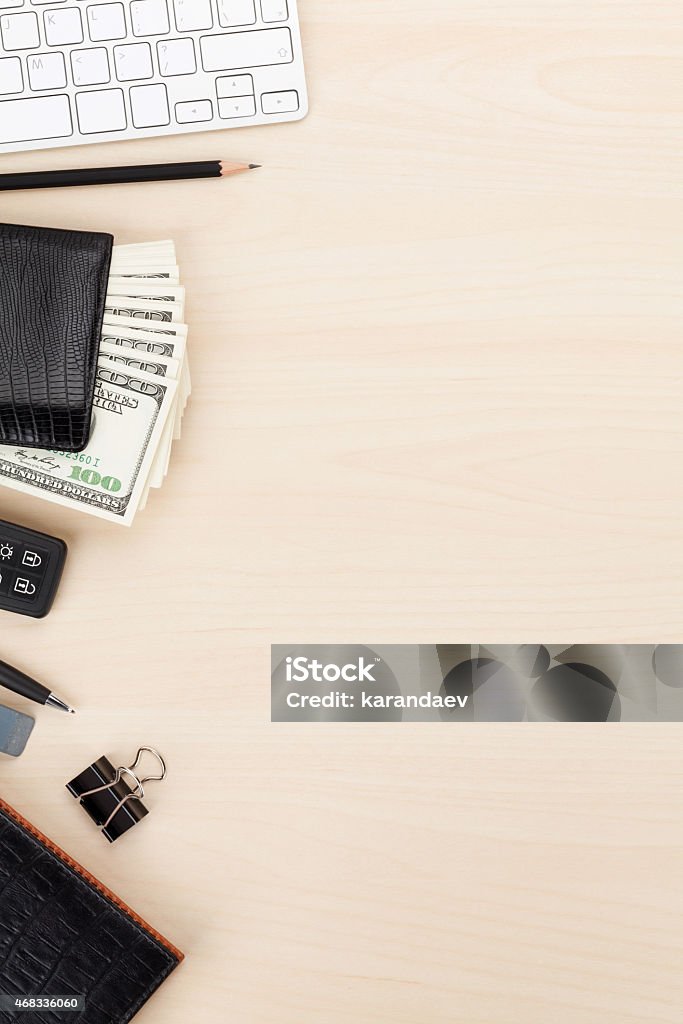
<point>62,933</point>
<point>52,289</point>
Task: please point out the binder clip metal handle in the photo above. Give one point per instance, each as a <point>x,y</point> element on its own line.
<point>115,805</point>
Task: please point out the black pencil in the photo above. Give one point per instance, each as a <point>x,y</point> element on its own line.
<point>122,175</point>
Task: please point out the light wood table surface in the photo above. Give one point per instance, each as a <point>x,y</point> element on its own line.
<point>436,351</point>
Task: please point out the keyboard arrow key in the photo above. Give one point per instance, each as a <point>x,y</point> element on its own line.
<point>242,106</point>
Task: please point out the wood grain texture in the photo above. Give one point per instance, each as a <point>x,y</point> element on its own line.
<point>436,350</point>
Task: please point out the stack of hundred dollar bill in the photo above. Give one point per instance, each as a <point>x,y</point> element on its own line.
<point>141,390</point>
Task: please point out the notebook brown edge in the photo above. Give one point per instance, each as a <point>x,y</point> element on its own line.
<point>88,877</point>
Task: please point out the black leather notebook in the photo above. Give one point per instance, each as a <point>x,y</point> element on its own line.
<point>53,286</point>
<point>63,933</point>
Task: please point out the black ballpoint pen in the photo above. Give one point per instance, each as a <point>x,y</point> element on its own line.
<point>13,679</point>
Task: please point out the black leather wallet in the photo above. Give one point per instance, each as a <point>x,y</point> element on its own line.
<point>63,933</point>
<point>53,285</point>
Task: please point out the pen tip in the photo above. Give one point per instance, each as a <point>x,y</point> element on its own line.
<point>253,167</point>
<point>61,705</point>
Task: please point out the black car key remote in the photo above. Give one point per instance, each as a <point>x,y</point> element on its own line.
<point>31,566</point>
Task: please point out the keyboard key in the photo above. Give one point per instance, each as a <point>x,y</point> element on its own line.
<point>193,15</point>
<point>280,102</point>
<point>20,31</point>
<point>11,78</point>
<point>176,57</point>
<point>63,28</point>
<point>236,12</point>
<point>90,67</point>
<point>133,61</point>
<point>45,117</point>
<point>46,71</point>
<point>13,4</point>
<point>191,113</point>
<point>238,106</point>
<point>246,49</point>
<point>149,106</point>
<point>235,85</point>
<point>274,10</point>
<point>106,21</point>
<point>101,111</point>
<point>149,17</point>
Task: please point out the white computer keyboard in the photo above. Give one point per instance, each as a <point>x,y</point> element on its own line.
<point>76,71</point>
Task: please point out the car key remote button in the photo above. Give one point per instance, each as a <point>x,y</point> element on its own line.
<point>31,565</point>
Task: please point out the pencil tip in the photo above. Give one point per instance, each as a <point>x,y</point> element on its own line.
<point>252,167</point>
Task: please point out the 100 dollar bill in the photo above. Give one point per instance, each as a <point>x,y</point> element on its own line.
<point>108,479</point>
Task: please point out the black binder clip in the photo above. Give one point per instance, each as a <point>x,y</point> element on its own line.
<point>113,796</point>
